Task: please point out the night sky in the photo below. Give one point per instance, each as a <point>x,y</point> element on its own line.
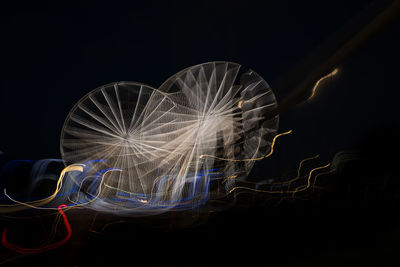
<point>52,54</point>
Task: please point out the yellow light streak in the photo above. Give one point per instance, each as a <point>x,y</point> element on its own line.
<point>296,190</point>
<point>316,85</point>
<point>251,159</point>
<point>36,203</point>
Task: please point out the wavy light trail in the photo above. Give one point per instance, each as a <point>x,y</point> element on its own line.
<point>44,248</point>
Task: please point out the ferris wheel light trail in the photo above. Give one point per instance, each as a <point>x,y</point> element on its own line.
<point>157,138</point>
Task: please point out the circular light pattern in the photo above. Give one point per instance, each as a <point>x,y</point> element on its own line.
<point>162,148</point>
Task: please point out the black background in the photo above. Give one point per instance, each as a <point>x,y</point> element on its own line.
<point>52,54</point>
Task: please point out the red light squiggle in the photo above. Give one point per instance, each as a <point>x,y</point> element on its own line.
<point>42,249</point>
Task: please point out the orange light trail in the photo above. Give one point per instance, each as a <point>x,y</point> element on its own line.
<point>252,159</point>
<point>34,204</point>
<point>296,190</point>
<point>323,78</point>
